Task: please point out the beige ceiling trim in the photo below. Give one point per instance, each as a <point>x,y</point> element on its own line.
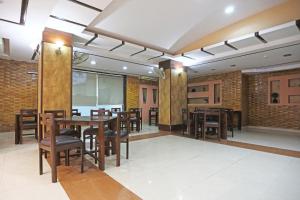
<point>276,15</point>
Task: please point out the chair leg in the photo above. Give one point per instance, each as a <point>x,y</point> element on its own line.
<point>21,137</point>
<point>127,148</point>
<point>45,154</point>
<point>36,133</point>
<point>82,159</point>
<point>53,156</point>
<point>41,161</point>
<point>84,144</point>
<point>91,142</point>
<point>67,157</point>
<point>96,152</point>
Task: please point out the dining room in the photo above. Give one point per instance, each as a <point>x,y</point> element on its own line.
<point>112,103</point>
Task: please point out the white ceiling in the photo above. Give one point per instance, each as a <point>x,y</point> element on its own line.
<point>168,24</point>
<point>173,24</point>
<point>10,10</point>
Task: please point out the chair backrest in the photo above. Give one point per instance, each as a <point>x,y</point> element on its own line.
<point>95,114</point>
<point>75,112</point>
<point>154,109</point>
<point>115,110</point>
<point>123,121</point>
<point>28,116</point>
<point>48,125</point>
<point>58,114</point>
<point>213,115</point>
<point>137,110</point>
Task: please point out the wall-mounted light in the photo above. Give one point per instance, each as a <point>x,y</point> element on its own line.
<point>179,70</point>
<point>58,45</point>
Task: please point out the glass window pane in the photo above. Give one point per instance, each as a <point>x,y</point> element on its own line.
<point>110,90</point>
<point>84,89</point>
<point>294,82</point>
<point>154,95</point>
<point>144,95</point>
<point>294,99</point>
<point>275,89</point>
<point>217,93</point>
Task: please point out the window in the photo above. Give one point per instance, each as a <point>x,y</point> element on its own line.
<point>110,90</point>
<point>154,95</point>
<point>144,95</point>
<point>84,89</point>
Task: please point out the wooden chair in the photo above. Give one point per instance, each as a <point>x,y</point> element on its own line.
<point>91,132</point>
<point>61,114</point>
<point>184,118</point>
<point>75,112</point>
<point>50,142</point>
<point>199,122</point>
<point>230,125</point>
<point>153,116</point>
<point>212,119</point>
<point>140,113</point>
<point>134,120</point>
<point>28,120</point>
<point>115,110</point>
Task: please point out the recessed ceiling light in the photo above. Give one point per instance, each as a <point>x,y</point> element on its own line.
<point>150,72</point>
<point>124,67</point>
<point>265,56</point>
<point>93,62</point>
<point>229,9</point>
<point>287,55</point>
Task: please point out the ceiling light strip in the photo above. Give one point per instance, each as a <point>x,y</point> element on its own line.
<point>91,40</point>
<point>157,56</point>
<point>187,56</point>
<point>139,52</point>
<point>231,46</point>
<point>116,47</point>
<point>207,52</point>
<point>260,38</point>
<point>66,20</point>
<point>86,5</point>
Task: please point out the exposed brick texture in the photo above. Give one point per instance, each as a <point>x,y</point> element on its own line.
<point>262,114</point>
<point>17,90</point>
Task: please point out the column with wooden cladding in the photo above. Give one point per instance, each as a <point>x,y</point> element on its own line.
<point>172,95</point>
<point>55,72</point>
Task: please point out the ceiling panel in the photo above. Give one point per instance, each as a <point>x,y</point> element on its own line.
<point>218,48</point>
<point>100,4</point>
<point>127,49</point>
<point>11,10</point>
<point>244,41</point>
<point>280,31</point>
<point>197,54</point>
<point>74,12</point>
<point>64,26</point>
<point>256,60</point>
<point>105,42</point>
<point>149,53</point>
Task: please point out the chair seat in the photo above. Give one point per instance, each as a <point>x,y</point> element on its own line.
<point>212,123</point>
<point>61,140</point>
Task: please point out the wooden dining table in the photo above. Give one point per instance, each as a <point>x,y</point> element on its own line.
<point>100,122</point>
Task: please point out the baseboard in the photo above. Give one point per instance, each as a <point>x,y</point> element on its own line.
<point>170,128</point>
<point>263,129</point>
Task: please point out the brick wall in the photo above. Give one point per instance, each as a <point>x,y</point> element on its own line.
<point>17,91</point>
<point>262,114</point>
<point>231,88</point>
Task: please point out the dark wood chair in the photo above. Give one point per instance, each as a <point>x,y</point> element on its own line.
<point>212,120</point>
<point>153,116</point>
<point>140,113</point>
<point>124,118</point>
<point>91,132</point>
<point>75,112</point>
<point>184,118</point>
<point>230,124</point>
<point>49,141</point>
<point>63,130</point>
<point>115,110</point>
<point>28,121</point>
<point>134,120</point>
<point>199,122</point>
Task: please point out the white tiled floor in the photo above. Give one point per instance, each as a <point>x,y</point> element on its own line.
<point>271,139</point>
<point>146,130</point>
<point>172,167</point>
<point>19,173</point>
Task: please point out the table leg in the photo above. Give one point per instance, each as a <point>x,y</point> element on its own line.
<point>101,153</point>
<point>117,143</point>
<point>17,129</point>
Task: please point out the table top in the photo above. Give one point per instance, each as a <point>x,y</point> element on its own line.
<point>86,119</point>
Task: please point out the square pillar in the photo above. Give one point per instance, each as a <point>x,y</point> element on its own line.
<point>172,95</point>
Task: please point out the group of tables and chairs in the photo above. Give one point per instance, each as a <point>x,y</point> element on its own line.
<point>60,136</point>
<point>209,122</point>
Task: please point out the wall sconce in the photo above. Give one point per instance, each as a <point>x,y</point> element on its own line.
<point>58,45</point>
<point>179,70</point>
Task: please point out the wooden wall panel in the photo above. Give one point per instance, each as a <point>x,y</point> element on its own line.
<point>231,88</point>
<point>178,96</point>
<point>56,77</point>
<point>132,92</point>
<point>262,114</point>
<point>17,91</point>
<point>164,99</point>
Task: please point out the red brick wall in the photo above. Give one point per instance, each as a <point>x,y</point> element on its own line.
<point>17,90</point>
<point>262,114</point>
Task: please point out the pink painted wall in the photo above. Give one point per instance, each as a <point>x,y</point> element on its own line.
<point>149,102</point>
